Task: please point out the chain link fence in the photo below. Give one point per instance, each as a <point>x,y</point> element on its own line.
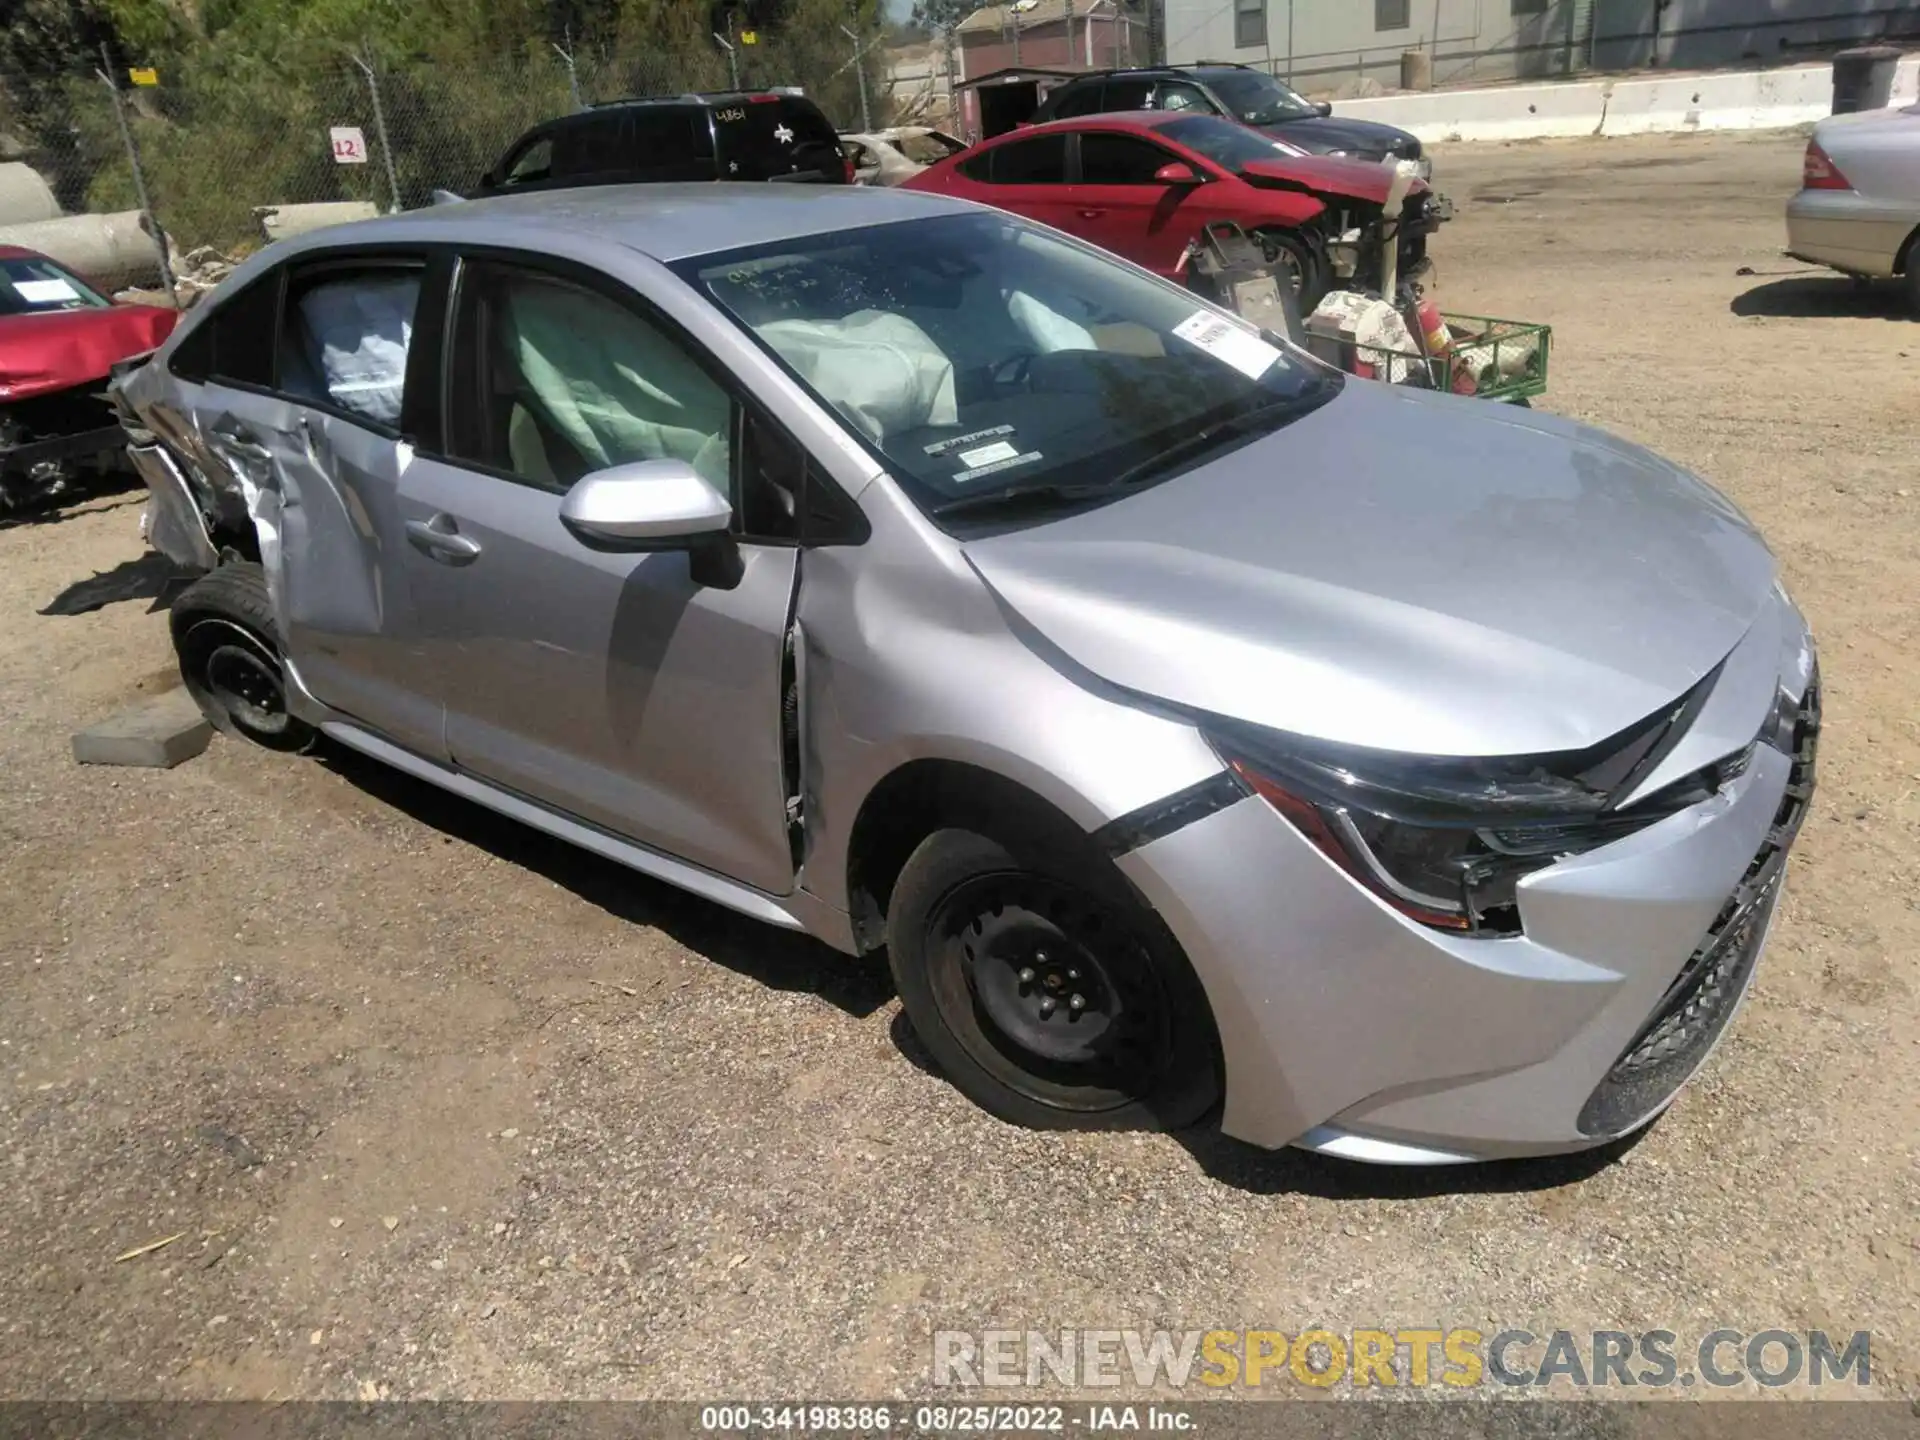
<point>208,150</point>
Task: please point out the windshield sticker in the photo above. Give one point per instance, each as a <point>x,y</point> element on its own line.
<point>45,292</point>
<point>1227,343</point>
<point>987,454</point>
<point>994,467</point>
<point>959,442</point>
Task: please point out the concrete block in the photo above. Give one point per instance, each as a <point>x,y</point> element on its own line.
<point>158,732</point>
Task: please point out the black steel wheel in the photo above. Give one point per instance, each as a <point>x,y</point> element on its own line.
<point>1048,995</point>
<point>229,653</point>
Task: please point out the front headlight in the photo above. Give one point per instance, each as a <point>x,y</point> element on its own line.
<point>1446,841</point>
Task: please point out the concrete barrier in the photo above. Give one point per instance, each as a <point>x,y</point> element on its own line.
<point>1745,100</point>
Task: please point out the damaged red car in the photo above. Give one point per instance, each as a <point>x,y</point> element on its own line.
<point>1146,184</point>
<point>59,341</point>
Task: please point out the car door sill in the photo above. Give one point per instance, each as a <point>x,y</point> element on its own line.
<point>773,910</point>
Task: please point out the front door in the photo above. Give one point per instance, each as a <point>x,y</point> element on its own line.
<point>615,687</point>
<point>1119,206</point>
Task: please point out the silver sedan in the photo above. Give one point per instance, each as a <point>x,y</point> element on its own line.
<point>1411,778</point>
<point>1858,210</point>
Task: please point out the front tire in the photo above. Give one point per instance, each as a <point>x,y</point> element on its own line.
<point>1299,263</point>
<point>1047,993</point>
<point>229,651</point>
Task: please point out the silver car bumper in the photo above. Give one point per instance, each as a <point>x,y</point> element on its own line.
<point>1350,1029</point>
<point>1847,231</point>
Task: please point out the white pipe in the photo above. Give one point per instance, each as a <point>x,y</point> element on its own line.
<point>25,196</point>
<point>109,251</point>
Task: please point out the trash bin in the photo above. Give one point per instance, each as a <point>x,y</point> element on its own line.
<point>1416,70</point>
<point>1863,78</point>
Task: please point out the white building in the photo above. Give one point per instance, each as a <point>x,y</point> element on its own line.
<point>1323,44</point>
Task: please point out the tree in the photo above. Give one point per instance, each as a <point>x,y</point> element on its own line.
<point>941,15</point>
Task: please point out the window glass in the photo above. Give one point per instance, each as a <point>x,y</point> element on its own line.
<point>345,336</point>
<point>1127,95</point>
<point>1119,160</point>
<point>767,137</point>
<point>977,353</point>
<point>30,285</point>
<point>1039,161</point>
<point>663,135</point>
<point>233,341</point>
<point>533,163</point>
<point>1391,15</point>
<point>554,381</point>
<point>1258,98</point>
<point>1228,145</point>
<point>592,147</point>
<point>1249,23</point>
<point>1079,100</point>
<point>1179,95</point>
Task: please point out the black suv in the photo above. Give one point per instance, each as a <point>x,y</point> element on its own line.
<point>731,135</point>
<point>1241,93</point>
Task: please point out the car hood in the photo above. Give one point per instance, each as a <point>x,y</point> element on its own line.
<point>63,348</point>
<point>1403,570</point>
<point>1334,132</point>
<point>1327,175</point>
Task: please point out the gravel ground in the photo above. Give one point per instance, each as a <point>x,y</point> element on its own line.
<point>439,1108</point>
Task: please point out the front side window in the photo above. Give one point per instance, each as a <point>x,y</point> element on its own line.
<point>33,285</point>
<point>535,162</point>
<point>345,335</point>
<point>552,381</point>
<point>1107,159</point>
<point>1179,95</point>
<point>980,357</point>
<point>1258,98</point>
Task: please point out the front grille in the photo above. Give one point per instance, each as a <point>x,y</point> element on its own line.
<point>1703,996</point>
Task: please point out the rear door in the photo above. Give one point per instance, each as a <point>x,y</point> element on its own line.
<point>1117,204</point>
<point>304,403</point>
<point>1026,176</point>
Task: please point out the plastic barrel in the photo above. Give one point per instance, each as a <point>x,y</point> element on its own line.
<point>1863,78</point>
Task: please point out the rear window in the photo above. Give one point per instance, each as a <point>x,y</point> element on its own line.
<point>33,286</point>
<point>767,139</point>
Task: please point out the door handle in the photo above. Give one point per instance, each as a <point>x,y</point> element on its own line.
<point>439,539</point>
<point>1091,214</point>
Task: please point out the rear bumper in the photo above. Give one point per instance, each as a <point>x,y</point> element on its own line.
<point>1846,231</point>
<point>1350,1029</point>
<point>60,450</point>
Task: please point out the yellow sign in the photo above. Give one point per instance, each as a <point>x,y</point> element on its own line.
<point>749,37</point>
<point>144,76</point>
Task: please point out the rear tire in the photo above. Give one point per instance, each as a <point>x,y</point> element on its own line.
<point>229,651</point>
<point>1046,992</point>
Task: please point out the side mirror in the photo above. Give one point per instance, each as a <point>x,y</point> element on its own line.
<point>489,181</point>
<point>1323,109</point>
<point>645,505</point>
<point>1177,173</point>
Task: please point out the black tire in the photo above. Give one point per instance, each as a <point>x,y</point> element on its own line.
<point>1296,256</point>
<point>229,651</point>
<point>1910,280</point>
<point>991,946</point>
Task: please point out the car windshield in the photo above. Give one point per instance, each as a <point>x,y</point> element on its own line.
<point>1258,98</point>
<point>1228,145</point>
<point>979,356</point>
<point>32,286</point>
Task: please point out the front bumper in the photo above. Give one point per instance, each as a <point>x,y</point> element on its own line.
<point>1350,1029</point>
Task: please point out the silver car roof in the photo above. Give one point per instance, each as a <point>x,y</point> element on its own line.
<point>667,222</point>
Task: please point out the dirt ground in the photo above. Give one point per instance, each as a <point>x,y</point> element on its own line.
<point>437,1107</point>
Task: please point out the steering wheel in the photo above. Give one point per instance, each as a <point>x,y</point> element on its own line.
<point>1014,372</point>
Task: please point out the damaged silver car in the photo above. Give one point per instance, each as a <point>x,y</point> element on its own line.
<point>1410,778</point>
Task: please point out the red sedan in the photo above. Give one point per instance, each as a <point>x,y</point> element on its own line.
<point>59,338</point>
<point>1143,184</point>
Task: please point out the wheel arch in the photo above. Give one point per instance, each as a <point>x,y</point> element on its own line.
<point>908,804</point>
<point>1904,259</point>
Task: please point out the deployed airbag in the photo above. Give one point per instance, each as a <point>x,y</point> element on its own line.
<point>360,329</point>
<point>883,372</point>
